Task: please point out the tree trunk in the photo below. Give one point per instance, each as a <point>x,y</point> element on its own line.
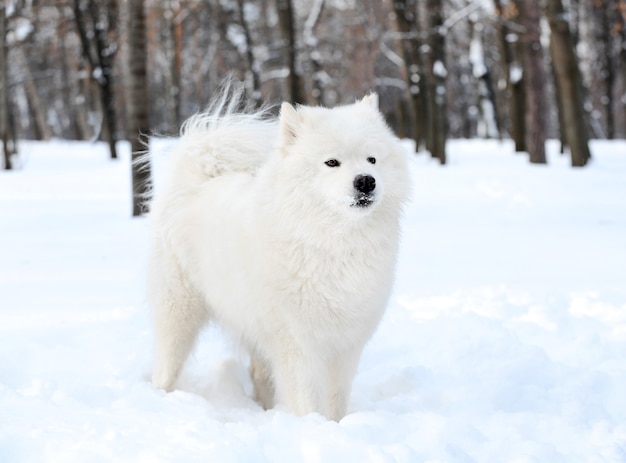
<point>38,108</point>
<point>173,39</point>
<point>4,94</point>
<point>489,125</point>
<point>138,124</point>
<point>252,66</point>
<point>569,84</point>
<point>605,33</point>
<point>286,20</point>
<point>315,58</point>
<point>407,22</point>
<point>99,53</point>
<point>436,81</point>
<point>510,50</point>
<point>108,117</point>
<point>536,104</point>
<point>622,65</point>
<point>518,111</point>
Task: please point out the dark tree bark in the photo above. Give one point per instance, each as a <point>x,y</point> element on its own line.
<point>407,22</point>
<point>604,21</point>
<point>316,52</point>
<point>621,25</point>
<point>513,70</point>
<point>286,20</point>
<point>94,22</point>
<point>569,84</point>
<point>4,94</point>
<point>536,104</point>
<point>252,65</point>
<point>518,108</point>
<point>37,107</point>
<point>138,124</point>
<point>315,58</point>
<point>173,52</point>
<point>436,74</point>
<point>487,105</point>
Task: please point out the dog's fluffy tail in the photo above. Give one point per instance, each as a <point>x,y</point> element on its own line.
<point>229,136</point>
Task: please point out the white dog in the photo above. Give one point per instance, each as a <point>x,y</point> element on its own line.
<point>285,233</point>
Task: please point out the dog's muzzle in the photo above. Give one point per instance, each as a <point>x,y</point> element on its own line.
<point>364,186</point>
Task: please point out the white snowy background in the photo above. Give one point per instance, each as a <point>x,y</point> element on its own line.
<point>504,341</point>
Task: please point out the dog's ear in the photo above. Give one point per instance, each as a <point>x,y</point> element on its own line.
<point>371,100</point>
<point>290,120</point>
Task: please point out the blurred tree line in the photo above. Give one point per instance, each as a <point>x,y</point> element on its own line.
<point>522,69</point>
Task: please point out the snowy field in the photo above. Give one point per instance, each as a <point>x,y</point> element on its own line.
<point>504,341</point>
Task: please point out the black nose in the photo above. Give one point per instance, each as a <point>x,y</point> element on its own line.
<point>364,183</point>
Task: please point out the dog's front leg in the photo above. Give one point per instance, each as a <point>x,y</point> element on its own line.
<point>341,373</point>
<point>301,382</point>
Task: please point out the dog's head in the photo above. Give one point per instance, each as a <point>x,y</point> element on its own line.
<point>347,156</point>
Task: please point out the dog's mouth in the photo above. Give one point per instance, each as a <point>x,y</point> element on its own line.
<point>362,200</point>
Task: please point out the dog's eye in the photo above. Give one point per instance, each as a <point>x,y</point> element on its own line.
<point>371,160</point>
<point>332,162</point>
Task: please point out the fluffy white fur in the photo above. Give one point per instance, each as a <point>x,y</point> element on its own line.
<point>259,235</point>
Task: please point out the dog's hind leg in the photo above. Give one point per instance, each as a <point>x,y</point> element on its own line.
<point>262,379</point>
<point>179,314</point>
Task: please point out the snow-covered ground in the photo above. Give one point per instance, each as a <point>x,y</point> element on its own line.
<point>505,339</point>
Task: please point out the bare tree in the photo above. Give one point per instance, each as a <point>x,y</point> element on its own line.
<point>605,14</point>
<point>249,54</point>
<point>621,26</point>
<point>436,74</point>
<point>287,21</point>
<point>37,106</point>
<point>320,52</point>
<point>138,123</point>
<point>488,126</point>
<point>96,26</point>
<point>511,56</point>
<point>311,43</point>
<point>534,66</point>
<point>4,94</point>
<point>569,84</point>
<point>172,35</point>
<point>406,12</point>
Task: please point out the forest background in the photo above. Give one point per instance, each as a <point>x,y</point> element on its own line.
<point>522,69</point>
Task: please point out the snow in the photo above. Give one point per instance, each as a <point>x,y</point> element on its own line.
<point>439,69</point>
<point>22,29</point>
<point>477,56</point>
<point>504,340</point>
<point>516,73</point>
<point>237,37</point>
<point>98,73</point>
